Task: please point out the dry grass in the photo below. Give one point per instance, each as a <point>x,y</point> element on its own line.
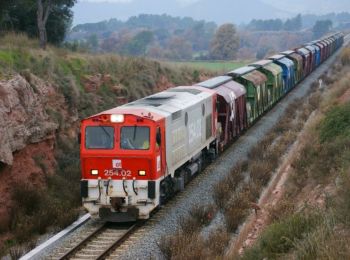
<point>252,190</point>
<point>345,57</point>
<point>218,241</point>
<point>261,171</point>
<point>236,211</point>
<point>183,246</point>
<point>283,209</point>
<point>224,189</point>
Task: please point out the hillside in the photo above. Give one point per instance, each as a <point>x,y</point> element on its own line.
<point>308,218</point>
<point>224,11</point>
<point>43,96</point>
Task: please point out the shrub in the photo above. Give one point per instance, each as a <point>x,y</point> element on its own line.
<point>218,241</point>
<point>336,123</point>
<point>345,56</point>
<point>203,214</point>
<point>226,187</point>
<point>280,237</point>
<point>261,171</point>
<point>281,210</point>
<point>222,193</point>
<point>252,190</point>
<point>183,246</point>
<point>236,211</point>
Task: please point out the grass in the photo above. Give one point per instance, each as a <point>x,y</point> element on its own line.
<point>336,123</point>
<point>214,66</point>
<point>280,237</point>
<point>68,71</point>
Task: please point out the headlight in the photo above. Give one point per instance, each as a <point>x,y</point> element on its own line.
<point>142,173</point>
<point>117,118</point>
<point>94,172</point>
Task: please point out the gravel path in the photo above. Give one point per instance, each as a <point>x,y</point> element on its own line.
<point>144,243</point>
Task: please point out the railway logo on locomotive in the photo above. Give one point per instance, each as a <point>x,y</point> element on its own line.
<point>117,164</point>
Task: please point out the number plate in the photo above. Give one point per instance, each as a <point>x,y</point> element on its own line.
<point>117,173</point>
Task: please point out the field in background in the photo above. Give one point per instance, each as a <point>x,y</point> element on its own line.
<point>214,66</point>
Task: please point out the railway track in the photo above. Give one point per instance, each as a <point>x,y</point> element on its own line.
<point>101,243</point>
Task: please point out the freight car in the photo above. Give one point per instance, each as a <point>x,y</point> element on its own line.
<point>137,156</point>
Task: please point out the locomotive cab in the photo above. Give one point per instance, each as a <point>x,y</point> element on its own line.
<point>121,159</point>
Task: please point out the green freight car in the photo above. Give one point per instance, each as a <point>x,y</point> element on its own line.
<point>255,84</point>
<point>273,72</point>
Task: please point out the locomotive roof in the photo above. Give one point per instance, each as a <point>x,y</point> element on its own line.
<point>170,100</point>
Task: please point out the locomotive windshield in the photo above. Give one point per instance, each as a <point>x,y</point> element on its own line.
<point>99,137</point>
<point>134,138</point>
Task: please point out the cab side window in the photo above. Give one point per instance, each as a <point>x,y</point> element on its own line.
<point>158,137</point>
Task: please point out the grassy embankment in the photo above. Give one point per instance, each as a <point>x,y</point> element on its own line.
<point>219,67</point>
<point>37,209</point>
<point>295,232</point>
<point>312,221</point>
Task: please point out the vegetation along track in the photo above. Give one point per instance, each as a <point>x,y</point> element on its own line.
<point>102,242</point>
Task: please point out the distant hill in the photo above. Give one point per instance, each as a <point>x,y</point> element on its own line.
<point>227,11</point>
<point>158,36</point>
<point>217,11</point>
<point>307,7</point>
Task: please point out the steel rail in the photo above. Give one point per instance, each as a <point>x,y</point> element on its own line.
<point>85,242</point>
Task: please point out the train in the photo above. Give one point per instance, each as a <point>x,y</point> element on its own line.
<point>137,156</point>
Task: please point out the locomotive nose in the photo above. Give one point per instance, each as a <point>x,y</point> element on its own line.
<point>118,168</point>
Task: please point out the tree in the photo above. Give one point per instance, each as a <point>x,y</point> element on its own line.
<point>92,41</point>
<point>293,24</point>
<point>179,49</point>
<point>138,44</point>
<point>46,19</point>
<point>225,43</point>
<point>44,9</point>
<point>321,28</point>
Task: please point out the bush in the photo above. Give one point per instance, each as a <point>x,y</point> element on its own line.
<point>336,123</point>
<point>279,238</point>
<point>345,56</point>
<point>202,214</point>
<point>183,246</point>
<point>261,171</point>
<point>236,211</point>
<point>226,187</point>
<point>218,241</point>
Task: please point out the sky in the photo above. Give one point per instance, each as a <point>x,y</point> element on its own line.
<point>219,11</point>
